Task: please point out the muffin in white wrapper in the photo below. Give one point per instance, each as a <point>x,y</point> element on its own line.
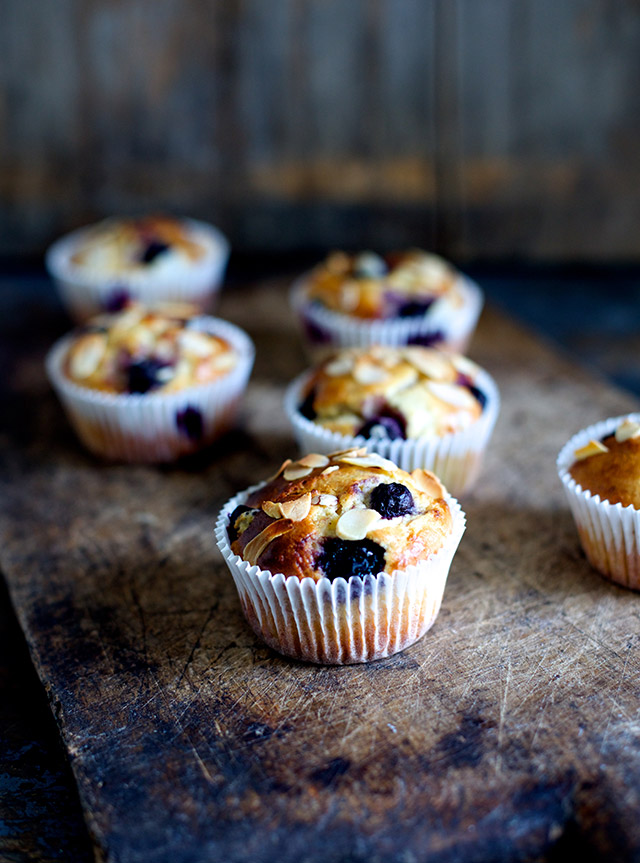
<point>89,289</point>
<point>155,426</point>
<point>449,322</point>
<point>456,458</point>
<point>609,532</point>
<point>341,621</point>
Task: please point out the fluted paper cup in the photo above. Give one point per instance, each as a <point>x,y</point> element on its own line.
<point>155,427</point>
<point>446,324</point>
<point>86,292</point>
<point>341,622</point>
<point>609,532</point>
<point>455,458</point>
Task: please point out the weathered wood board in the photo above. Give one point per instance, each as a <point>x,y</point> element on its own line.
<point>510,732</point>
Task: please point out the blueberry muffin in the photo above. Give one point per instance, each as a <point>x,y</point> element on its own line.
<point>418,406</point>
<point>151,385</point>
<point>600,471</point>
<point>409,297</point>
<point>341,557</point>
<point>152,259</point>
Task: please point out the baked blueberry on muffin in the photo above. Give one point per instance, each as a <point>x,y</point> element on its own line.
<point>600,470</point>
<point>418,406</point>
<point>341,557</point>
<point>148,384</point>
<point>409,297</point>
<point>151,259</point>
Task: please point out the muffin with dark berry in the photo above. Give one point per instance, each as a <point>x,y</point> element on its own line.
<point>420,407</point>
<point>409,297</point>
<point>151,385</point>
<point>150,259</point>
<point>341,558</point>
<point>600,471</point>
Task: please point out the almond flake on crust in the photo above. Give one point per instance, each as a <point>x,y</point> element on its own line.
<point>452,394</point>
<point>427,482</point>
<point>330,469</point>
<point>356,523</point>
<point>371,459</point>
<point>428,363</point>
<point>329,500</point>
<point>295,470</point>
<point>282,467</point>
<point>626,430</point>
<point>86,358</point>
<point>254,549</point>
<point>272,509</point>
<point>298,508</point>
<point>594,447</point>
<point>366,374</point>
<point>354,451</point>
<point>313,460</point>
<point>341,365</point>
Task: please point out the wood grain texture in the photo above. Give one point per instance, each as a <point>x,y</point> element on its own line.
<point>510,732</point>
<point>487,130</point>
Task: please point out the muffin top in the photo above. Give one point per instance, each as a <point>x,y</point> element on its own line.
<point>610,468</point>
<point>123,246</point>
<point>370,286</point>
<point>349,513</point>
<point>393,393</point>
<point>140,350</point>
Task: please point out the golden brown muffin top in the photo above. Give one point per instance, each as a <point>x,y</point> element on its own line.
<point>392,393</point>
<point>140,350</point>
<point>349,513</point>
<point>370,286</point>
<point>611,468</point>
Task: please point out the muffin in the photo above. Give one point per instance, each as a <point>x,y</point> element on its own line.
<point>151,385</point>
<point>600,471</point>
<point>409,297</point>
<point>150,259</point>
<point>341,558</point>
<point>419,407</point>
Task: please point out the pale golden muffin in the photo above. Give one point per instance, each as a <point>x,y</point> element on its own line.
<point>610,468</point>
<point>143,350</point>
<point>351,513</point>
<point>371,286</point>
<point>393,393</point>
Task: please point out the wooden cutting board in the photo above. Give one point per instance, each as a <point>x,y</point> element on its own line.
<point>510,732</point>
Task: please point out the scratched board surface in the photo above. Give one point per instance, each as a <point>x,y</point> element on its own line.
<point>510,732</point>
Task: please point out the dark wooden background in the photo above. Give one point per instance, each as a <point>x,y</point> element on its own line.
<point>487,129</point>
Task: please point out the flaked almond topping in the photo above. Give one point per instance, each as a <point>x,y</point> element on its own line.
<point>594,447</point>
<point>354,451</point>
<point>296,471</point>
<point>197,343</point>
<point>428,362</point>
<point>329,500</point>
<point>272,509</point>
<point>329,469</point>
<point>464,365</point>
<point>452,394</point>
<point>341,365</point>
<point>254,549</point>
<point>86,359</point>
<point>366,374</point>
<point>356,523</point>
<point>371,459</point>
<point>626,430</point>
<point>284,465</point>
<point>313,460</point>
<point>298,508</point>
<point>427,482</point>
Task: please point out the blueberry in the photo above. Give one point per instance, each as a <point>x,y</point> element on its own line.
<point>153,249</point>
<point>316,335</point>
<point>306,408</point>
<point>189,422</point>
<point>117,300</point>
<point>232,530</point>
<point>385,428</point>
<point>340,558</point>
<point>427,339</point>
<point>466,381</point>
<point>142,375</point>
<point>392,499</point>
<point>414,308</point>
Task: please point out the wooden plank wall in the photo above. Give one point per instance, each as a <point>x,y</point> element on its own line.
<point>485,128</point>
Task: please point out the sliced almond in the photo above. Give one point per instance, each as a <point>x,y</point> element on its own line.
<point>314,459</point>
<point>328,500</point>
<point>341,365</point>
<point>87,356</point>
<point>284,464</point>
<point>354,451</point>
<point>254,549</point>
<point>356,523</point>
<point>298,508</point>
<point>371,459</point>
<point>594,447</point>
<point>452,394</point>
<point>296,471</point>
<point>199,344</point>
<point>272,509</point>
<point>427,482</point>
<point>367,374</point>
<point>429,362</point>
<point>329,469</point>
<point>627,430</point>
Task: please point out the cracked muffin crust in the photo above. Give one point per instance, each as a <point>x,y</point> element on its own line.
<point>610,467</point>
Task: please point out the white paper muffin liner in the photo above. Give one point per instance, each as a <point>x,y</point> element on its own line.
<point>455,458</point>
<point>333,329</point>
<point>155,427</point>
<point>609,532</point>
<point>86,292</point>
<point>341,622</point>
